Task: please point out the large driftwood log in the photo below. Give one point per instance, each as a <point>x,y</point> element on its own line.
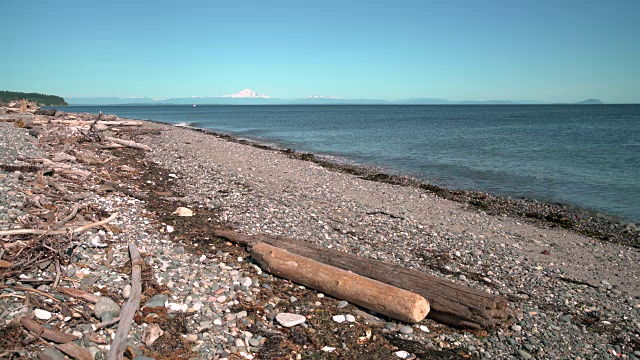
<point>371,294</point>
<point>451,303</point>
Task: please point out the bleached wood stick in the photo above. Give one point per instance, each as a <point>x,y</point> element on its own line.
<point>73,231</point>
<point>129,143</point>
<point>129,308</point>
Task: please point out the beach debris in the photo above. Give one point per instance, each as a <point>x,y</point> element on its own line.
<point>451,303</point>
<point>130,307</point>
<point>45,332</point>
<point>183,211</point>
<point>152,332</point>
<point>371,294</point>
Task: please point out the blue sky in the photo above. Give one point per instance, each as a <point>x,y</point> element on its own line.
<point>459,50</point>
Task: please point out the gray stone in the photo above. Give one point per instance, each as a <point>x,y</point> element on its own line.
<point>289,320</point>
<point>406,330</point>
<point>157,301</point>
<point>53,353</point>
<point>516,327</point>
<point>106,309</point>
<point>342,304</point>
<point>525,355</point>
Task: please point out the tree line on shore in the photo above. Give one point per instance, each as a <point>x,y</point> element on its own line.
<point>40,99</point>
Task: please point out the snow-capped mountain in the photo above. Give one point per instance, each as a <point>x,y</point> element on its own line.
<point>247,94</point>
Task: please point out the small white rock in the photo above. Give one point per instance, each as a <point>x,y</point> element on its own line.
<point>424,328</point>
<point>170,228</point>
<point>289,320</point>
<point>217,322</point>
<point>350,318</point>
<point>402,354</point>
<point>328,349</point>
<point>177,307</point>
<point>151,334</point>
<point>126,291</point>
<point>339,318</point>
<point>42,314</point>
<point>183,211</point>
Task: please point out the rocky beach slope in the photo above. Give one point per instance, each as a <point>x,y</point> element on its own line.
<point>572,296</point>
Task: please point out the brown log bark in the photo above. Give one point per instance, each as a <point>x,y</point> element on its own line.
<point>75,351</point>
<point>46,333</point>
<point>24,123</point>
<point>451,303</point>
<point>371,294</point>
<point>79,294</point>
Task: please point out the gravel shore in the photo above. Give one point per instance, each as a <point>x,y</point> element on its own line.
<point>573,296</point>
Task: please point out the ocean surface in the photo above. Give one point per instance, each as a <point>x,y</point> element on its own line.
<point>579,155</point>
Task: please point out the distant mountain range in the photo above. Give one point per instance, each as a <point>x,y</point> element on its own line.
<point>250,97</point>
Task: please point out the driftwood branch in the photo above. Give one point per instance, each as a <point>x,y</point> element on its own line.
<point>79,294</point>
<point>73,231</point>
<point>129,308</point>
<point>45,332</point>
<point>128,143</point>
<point>451,303</point>
<point>75,351</point>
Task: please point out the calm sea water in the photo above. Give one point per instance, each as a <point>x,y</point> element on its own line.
<point>585,156</point>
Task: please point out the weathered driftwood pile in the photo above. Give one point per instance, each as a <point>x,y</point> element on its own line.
<point>19,107</point>
<point>43,241</point>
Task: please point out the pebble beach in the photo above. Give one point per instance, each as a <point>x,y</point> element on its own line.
<point>572,296</point>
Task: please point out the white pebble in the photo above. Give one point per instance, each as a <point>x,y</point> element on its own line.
<point>170,229</point>
<point>350,318</point>
<point>402,354</point>
<point>42,314</point>
<point>339,318</point>
<point>289,320</point>
<point>126,291</point>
